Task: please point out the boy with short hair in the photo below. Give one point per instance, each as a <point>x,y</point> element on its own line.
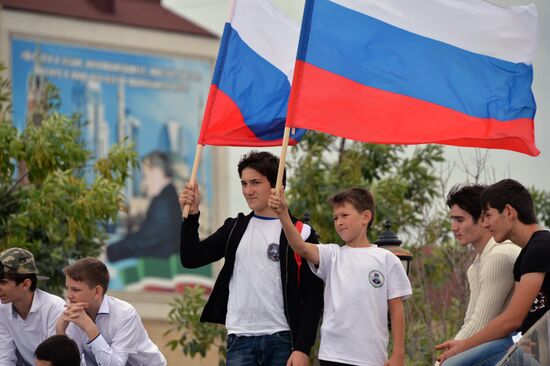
<point>27,314</point>
<point>107,330</point>
<point>362,282</point>
<point>269,300</point>
<point>58,350</point>
<point>509,214</point>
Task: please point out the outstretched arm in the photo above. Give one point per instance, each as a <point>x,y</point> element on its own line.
<point>306,250</point>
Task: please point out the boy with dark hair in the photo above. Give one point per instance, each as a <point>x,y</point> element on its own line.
<point>107,330</point>
<point>27,314</point>
<point>362,282</point>
<point>268,300</point>
<point>489,276</point>
<point>509,214</point>
<point>58,350</point>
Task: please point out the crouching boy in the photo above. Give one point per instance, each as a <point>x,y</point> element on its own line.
<point>108,331</point>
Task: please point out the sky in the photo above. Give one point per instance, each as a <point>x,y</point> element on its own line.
<point>531,171</point>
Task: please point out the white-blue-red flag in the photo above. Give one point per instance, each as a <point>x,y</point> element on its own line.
<point>455,72</point>
<point>248,99</point>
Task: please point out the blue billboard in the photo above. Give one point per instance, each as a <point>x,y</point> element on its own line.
<point>157,102</point>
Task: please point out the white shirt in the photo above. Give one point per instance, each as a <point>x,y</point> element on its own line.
<point>122,341</point>
<point>255,305</point>
<point>25,335</point>
<point>358,284</point>
<point>491,281</point>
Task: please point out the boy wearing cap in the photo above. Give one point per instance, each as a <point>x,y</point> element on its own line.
<point>27,315</point>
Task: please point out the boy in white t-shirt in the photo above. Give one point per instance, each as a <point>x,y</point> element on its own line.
<point>362,282</point>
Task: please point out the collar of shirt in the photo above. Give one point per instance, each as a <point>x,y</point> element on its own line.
<point>488,247</point>
<point>491,244</point>
<point>35,306</point>
<point>104,307</point>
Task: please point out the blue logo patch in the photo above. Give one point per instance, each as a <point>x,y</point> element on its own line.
<point>273,252</point>
<point>376,278</point>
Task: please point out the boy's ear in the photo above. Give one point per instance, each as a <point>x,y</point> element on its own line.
<point>98,291</point>
<point>510,212</point>
<point>367,214</point>
<point>26,284</point>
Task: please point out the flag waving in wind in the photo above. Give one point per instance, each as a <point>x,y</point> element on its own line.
<point>409,72</point>
<point>248,98</point>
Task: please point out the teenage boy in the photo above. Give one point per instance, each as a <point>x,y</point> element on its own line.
<point>509,214</point>
<point>363,283</point>
<point>266,296</point>
<point>58,350</point>
<point>27,314</point>
<point>107,330</point>
<point>489,276</point>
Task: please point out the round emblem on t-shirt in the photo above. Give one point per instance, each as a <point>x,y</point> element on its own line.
<point>376,278</point>
<point>273,252</point>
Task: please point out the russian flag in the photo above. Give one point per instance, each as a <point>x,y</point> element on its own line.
<point>248,99</point>
<point>455,72</point>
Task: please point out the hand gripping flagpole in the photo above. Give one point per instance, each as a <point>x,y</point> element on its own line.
<point>193,179</point>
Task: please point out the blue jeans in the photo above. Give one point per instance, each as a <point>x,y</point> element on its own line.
<point>486,354</point>
<point>271,350</point>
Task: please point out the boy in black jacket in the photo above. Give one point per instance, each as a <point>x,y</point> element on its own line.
<point>265,295</point>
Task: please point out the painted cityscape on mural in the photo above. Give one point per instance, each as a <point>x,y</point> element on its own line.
<point>155,102</point>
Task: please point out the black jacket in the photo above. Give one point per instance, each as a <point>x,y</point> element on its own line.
<point>303,302</point>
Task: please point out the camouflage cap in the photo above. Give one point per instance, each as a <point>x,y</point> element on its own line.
<point>19,261</point>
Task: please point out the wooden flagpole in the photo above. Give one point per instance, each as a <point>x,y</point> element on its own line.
<point>282,161</point>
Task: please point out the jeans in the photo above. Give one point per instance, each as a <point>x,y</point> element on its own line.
<point>486,354</point>
<point>271,350</point>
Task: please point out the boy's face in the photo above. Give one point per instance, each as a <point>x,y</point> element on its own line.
<point>78,291</point>
<point>10,292</point>
<point>465,230</point>
<point>497,223</point>
<point>350,223</point>
<point>256,190</point>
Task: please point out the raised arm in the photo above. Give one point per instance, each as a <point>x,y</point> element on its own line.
<point>194,252</point>
<point>192,197</point>
<point>308,251</point>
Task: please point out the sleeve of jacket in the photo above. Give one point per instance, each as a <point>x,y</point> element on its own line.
<point>311,292</point>
<point>195,253</point>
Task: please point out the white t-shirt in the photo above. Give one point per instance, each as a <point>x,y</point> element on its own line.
<point>23,336</point>
<point>358,284</point>
<point>255,306</point>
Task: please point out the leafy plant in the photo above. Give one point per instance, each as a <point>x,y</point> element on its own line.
<point>46,204</point>
<point>194,338</point>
